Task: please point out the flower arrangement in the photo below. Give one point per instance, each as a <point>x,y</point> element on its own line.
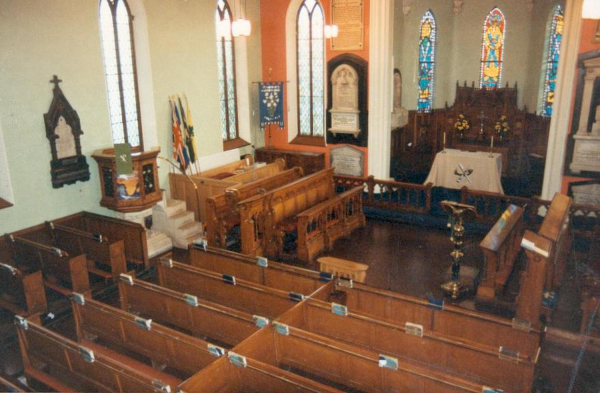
<point>461,125</point>
<point>502,128</point>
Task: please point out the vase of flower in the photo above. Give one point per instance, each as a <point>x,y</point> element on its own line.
<point>461,126</point>
<point>502,128</point>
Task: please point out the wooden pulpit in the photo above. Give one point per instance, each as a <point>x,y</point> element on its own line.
<point>128,193</point>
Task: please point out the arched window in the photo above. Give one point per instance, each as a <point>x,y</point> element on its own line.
<point>120,70</point>
<point>310,64</point>
<point>226,65</point>
<point>551,64</point>
<point>492,51</point>
<point>427,41</point>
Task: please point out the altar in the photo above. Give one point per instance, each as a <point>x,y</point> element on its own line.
<point>476,170</point>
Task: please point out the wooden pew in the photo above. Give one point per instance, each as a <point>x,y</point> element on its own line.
<point>556,227</point>
<point>126,332</point>
<point>274,275</point>
<point>196,188</point>
<point>72,367</point>
<point>22,293</point>
<point>226,290</point>
<point>202,318</point>
<point>500,248</point>
<point>471,362</point>
<point>8,386</point>
<point>255,173</point>
<point>105,258</point>
<point>132,234</point>
<point>254,377</point>
<point>345,366</point>
<point>62,273</point>
<point>518,340</point>
<point>222,214</point>
<point>321,225</point>
<point>266,218</point>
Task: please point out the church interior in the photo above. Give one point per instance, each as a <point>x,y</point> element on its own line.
<point>300,195</point>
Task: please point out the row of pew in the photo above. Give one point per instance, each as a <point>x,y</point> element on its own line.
<point>63,255</point>
<point>277,212</point>
<point>232,322</point>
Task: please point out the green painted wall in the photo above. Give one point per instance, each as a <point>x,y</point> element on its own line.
<point>41,38</point>
<point>459,47</point>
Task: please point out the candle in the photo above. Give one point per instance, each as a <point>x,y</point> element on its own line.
<point>444,138</point>
<point>492,145</point>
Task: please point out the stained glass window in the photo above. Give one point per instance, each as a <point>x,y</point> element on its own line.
<point>310,63</point>
<point>492,51</point>
<point>120,70</point>
<point>226,64</point>
<point>554,40</point>
<point>426,62</point>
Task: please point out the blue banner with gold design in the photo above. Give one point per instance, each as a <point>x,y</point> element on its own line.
<point>270,98</point>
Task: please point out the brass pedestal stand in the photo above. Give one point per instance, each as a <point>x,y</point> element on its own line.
<point>454,288</point>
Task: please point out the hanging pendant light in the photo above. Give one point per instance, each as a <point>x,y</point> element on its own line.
<point>241,27</point>
<point>591,9</point>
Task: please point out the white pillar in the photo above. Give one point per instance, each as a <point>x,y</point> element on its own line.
<point>380,86</point>
<point>560,123</point>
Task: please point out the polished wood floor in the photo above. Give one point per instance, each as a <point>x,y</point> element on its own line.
<point>404,258</point>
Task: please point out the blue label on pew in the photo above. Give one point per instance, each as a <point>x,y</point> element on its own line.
<point>78,298</point>
<point>145,324</point>
<point>191,300</point>
<point>486,389</point>
<point>508,354</point>
<point>127,278</point>
<point>282,328</point>
<point>87,354</point>
<point>160,386</point>
<point>237,360</point>
<point>388,362</point>
<point>21,322</point>
<point>339,309</point>
<point>325,277</point>
<point>215,350</point>
<point>437,304</point>
<point>11,269</point>
<point>229,279</point>
<point>260,321</point>
<point>201,244</point>
<point>262,261</point>
<point>97,237</point>
<point>57,251</point>
<point>297,297</point>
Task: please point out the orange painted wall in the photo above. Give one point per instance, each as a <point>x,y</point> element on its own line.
<point>588,30</point>
<point>273,15</point>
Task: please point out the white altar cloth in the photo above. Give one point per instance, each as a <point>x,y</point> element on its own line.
<point>476,170</point>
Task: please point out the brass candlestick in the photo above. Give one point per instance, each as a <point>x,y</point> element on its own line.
<point>454,288</point>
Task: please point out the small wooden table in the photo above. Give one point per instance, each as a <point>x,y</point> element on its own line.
<point>343,268</point>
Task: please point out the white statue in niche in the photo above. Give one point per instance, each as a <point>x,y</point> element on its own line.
<point>65,144</point>
<point>399,114</point>
<point>344,107</point>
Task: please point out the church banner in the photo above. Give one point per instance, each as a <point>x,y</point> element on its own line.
<point>270,97</point>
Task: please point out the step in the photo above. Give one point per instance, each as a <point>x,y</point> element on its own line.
<point>183,241</point>
<point>157,242</point>
<point>175,206</point>
<point>187,230</point>
<point>180,219</point>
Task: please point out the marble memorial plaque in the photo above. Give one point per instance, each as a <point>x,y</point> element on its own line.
<point>586,194</point>
<point>344,110</point>
<point>347,161</point>
<point>345,121</point>
<point>586,155</point>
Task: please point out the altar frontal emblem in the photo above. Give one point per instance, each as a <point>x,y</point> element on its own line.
<point>461,172</point>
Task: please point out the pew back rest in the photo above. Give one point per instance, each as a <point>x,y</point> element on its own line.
<point>22,293</point>
<point>255,174</point>
<point>556,227</point>
<point>132,234</point>
<point>42,346</point>
<point>222,289</point>
<point>206,319</point>
<point>232,167</point>
<point>161,344</point>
